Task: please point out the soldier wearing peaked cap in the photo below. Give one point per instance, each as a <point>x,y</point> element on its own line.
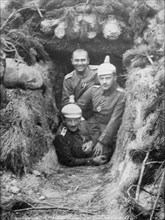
<point>73,142</point>
<point>79,80</point>
<point>108,101</point>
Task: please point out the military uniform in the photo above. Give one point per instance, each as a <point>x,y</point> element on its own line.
<point>76,85</point>
<point>108,107</point>
<point>68,146</point>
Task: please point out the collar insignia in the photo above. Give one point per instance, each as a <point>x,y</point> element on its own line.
<point>83,85</point>
<point>63,131</point>
<point>99,108</point>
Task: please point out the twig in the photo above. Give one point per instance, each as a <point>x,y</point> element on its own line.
<point>155,162</point>
<point>6,44</point>
<point>156,201</point>
<point>7,20</point>
<point>19,10</point>
<point>141,176</point>
<point>128,190</point>
<point>159,173</point>
<point>45,203</point>
<point>84,3</point>
<point>39,11</point>
<point>151,61</point>
<point>60,208</point>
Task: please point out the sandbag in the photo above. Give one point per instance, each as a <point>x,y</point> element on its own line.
<point>21,75</point>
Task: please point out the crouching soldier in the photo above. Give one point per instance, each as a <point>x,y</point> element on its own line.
<point>108,101</point>
<point>73,142</point>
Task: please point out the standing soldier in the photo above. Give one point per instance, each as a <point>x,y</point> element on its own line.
<point>73,142</point>
<point>108,101</point>
<point>80,79</point>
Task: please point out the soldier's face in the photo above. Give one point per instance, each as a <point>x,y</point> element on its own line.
<point>80,61</point>
<point>106,81</point>
<point>72,123</point>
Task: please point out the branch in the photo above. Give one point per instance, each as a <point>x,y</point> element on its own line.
<point>60,208</point>
<point>141,176</point>
<point>3,25</point>
<point>151,62</point>
<point>39,11</point>
<point>156,201</point>
<point>19,10</point>
<point>155,162</point>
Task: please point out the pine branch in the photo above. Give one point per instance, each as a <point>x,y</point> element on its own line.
<point>5,23</point>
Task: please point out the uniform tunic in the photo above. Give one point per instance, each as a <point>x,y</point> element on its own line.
<point>76,85</point>
<point>68,146</point>
<point>108,107</point>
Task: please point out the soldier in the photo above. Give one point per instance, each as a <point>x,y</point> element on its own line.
<point>73,142</point>
<point>80,79</point>
<point>108,101</point>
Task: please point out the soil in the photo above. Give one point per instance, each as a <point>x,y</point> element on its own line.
<point>68,192</point>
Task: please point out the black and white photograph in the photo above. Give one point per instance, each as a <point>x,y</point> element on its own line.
<point>82,109</point>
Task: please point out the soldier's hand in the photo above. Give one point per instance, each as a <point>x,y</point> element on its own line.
<point>100,160</point>
<point>98,149</point>
<point>87,147</point>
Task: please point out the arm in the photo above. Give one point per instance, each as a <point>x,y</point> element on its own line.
<point>85,99</point>
<point>113,125</point>
<point>65,156</point>
<point>66,92</point>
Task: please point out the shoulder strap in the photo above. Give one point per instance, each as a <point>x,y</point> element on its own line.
<point>69,75</point>
<point>119,89</point>
<point>96,86</point>
<point>93,67</point>
<point>63,131</point>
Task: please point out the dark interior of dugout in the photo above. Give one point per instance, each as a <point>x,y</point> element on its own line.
<point>63,66</point>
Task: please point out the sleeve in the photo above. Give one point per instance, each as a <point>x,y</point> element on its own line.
<point>66,92</point>
<point>90,130</point>
<point>85,99</point>
<point>110,131</point>
<point>65,156</point>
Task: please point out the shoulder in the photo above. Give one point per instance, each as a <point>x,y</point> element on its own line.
<point>95,88</point>
<point>121,90</point>
<point>121,93</point>
<point>83,124</point>
<point>69,75</point>
<point>94,67</point>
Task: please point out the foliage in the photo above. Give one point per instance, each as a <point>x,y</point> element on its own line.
<point>26,120</point>
<point>21,138</point>
<point>138,16</point>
